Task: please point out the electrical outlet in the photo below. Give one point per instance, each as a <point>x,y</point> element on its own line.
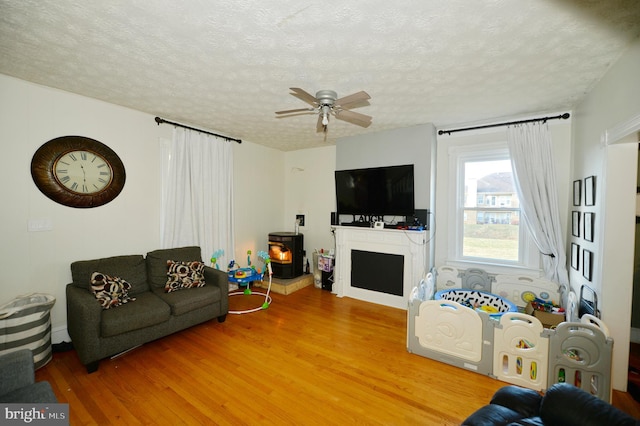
<point>38,225</point>
<point>300,219</point>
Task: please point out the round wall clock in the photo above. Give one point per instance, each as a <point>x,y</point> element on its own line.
<point>78,172</point>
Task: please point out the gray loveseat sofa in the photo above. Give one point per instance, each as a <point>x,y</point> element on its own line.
<point>97,333</point>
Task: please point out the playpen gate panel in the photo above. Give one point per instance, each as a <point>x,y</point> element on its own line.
<point>521,350</point>
<point>450,328</point>
<point>447,278</point>
<point>580,354</point>
<point>523,289</point>
<point>448,332</point>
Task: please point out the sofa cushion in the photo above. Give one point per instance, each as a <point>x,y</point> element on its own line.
<point>523,400</point>
<point>491,415</point>
<point>130,268</point>
<point>110,291</point>
<point>182,275</point>
<point>157,262</point>
<point>148,310</point>
<point>182,302</point>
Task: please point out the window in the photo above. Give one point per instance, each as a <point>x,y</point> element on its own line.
<point>487,226</point>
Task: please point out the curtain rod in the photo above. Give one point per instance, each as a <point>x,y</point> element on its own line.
<point>562,116</point>
<point>162,120</point>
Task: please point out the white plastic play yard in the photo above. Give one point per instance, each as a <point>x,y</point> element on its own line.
<point>475,321</point>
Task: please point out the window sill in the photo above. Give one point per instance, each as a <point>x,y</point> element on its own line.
<point>496,269</point>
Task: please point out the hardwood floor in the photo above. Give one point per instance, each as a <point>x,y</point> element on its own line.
<point>310,358</point>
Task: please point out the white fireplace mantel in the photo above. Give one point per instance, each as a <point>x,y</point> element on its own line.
<point>410,244</point>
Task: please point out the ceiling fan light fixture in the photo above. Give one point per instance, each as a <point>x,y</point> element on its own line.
<point>326,97</point>
<point>326,103</point>
<point>326,110</point>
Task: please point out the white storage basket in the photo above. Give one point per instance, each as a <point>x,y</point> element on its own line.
<point>25,323</point>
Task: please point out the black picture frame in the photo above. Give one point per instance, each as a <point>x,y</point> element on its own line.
<point>577,191</point>
<point>588,224</point>
<point>575,223</point>
<point>587,264</point>
<point>590,191</point>
<point>575,256</point>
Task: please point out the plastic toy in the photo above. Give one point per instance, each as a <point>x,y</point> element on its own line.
<point>245,276</point>
<point>214,258</point>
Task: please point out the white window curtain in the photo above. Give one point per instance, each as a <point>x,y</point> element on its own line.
<point>197,193</point>
<point>535,178</point>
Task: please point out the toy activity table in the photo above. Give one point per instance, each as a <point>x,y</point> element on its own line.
<point>244,277</point>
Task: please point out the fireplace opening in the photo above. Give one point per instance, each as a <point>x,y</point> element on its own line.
<point>279,253</point>
<point>286,253</point>
<point>381,272</point>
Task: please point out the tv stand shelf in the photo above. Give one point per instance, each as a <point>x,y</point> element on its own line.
<point>402,226</point>
<point>358,224</point>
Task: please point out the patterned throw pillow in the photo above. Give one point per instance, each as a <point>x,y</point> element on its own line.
<point>184,275</point>
<point>110,291</point>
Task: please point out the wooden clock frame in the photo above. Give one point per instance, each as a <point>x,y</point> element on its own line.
<point>42,171</point>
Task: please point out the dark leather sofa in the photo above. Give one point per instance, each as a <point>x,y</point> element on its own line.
<point>562,405</point>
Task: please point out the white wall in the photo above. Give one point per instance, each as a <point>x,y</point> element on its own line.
<point>31,115</point>
<point>258,198</point>
<point>310,190</point>
<point>410,145</point>
<point>614,101</point>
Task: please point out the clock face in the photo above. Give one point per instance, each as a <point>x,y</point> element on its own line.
<point>82,172</point>
<point>78,172</point>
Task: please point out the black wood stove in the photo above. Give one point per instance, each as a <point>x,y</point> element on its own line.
<point>286,253</point>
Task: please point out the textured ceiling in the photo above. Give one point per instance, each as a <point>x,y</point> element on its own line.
<point>227,66</point>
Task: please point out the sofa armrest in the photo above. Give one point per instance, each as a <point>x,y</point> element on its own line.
<point>16,370</point>
<point>509,405</point>
<point>567,405</point>
<point>84,315</point>
<point>220,279</point>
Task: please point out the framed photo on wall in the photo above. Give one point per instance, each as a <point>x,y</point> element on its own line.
<point>590,191</point>
<point>588,220</point>
<point>575,256</point>
<point>577,191</point>
<point>575,223</point>
<point>587,264</point>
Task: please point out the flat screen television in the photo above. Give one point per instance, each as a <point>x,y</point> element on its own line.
<point>379,191</point>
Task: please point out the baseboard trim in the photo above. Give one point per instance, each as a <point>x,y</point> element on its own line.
<point>60,334</point>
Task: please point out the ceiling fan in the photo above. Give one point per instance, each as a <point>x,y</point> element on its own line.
<point>327,103</point>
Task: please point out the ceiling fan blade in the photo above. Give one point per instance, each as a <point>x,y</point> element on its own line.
<point>291,111</point>
<point>354,118</point>
<point>356,104</point>
<point>356,97</point>
<point>304,96</point>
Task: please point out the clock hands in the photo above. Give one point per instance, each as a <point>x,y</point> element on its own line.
<point>84,178</point>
